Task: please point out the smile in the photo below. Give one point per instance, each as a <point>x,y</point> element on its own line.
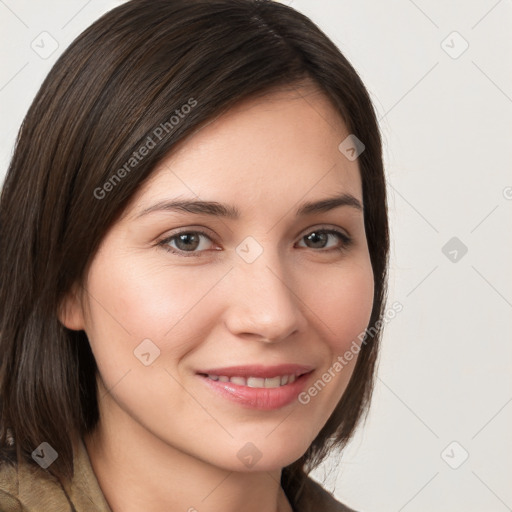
<point>258,387</point>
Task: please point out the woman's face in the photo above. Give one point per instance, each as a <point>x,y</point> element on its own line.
<point>174,293</point>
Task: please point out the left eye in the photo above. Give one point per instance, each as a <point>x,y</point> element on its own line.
<point>320,237</point>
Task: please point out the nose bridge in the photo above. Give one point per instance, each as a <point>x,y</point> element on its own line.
<point>263,302</point>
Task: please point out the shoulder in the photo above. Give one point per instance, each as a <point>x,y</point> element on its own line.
<point>24,488</point>
<point>27,487</point>
<point>315,498</point>
<point>9,488</point>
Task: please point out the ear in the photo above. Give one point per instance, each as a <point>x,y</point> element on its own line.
<point>70,311</point>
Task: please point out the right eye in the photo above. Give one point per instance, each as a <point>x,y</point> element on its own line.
<point>191,242</point>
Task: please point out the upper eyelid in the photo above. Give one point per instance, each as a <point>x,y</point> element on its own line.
<point>201,230</point>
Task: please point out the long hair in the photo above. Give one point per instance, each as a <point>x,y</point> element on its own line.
<point>121,79</point>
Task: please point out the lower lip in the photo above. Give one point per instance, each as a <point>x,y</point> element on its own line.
<point>266,399</point>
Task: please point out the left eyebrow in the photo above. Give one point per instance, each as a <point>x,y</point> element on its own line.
<point>328,204</point>
<point>216,209</point>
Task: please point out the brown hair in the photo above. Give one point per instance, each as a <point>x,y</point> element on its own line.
<point>117,82</point>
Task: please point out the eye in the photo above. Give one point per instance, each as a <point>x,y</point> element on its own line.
<point>192,242</point>
<point>320,238</point>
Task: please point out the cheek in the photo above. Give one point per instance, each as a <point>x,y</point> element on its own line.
<point>146,301</point>
<point>344,304</point>
<point>132,303</point>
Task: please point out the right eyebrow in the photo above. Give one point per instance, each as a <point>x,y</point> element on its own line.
<point>193,206</point>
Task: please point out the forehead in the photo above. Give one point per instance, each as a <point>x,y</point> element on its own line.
<point>281,146</point>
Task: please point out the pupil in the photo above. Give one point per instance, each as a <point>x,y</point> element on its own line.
<point>187,244</point>
<point>318,239</point>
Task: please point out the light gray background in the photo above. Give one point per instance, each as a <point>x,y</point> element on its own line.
<point>445,367</point>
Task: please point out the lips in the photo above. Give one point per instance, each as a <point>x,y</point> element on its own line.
<point>257,386</point>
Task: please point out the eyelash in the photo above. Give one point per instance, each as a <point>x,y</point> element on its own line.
<point>346,241</point>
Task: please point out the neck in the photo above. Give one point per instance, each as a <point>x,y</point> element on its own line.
<point>138,471</point>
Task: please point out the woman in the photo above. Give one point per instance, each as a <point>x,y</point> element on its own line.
<point>193,265</point>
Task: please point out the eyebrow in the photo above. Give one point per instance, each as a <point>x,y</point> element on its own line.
<point>231,212</point>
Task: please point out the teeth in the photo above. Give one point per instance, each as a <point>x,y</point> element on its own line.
<point>252,382</point>
<point>256,382</point>
<point>275,382</point>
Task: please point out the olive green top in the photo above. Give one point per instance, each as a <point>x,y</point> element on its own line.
<point>28,488</point>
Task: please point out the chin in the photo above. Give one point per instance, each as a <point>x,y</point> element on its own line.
<point>265,454</point>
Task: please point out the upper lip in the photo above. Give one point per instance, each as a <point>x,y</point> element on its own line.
<point>255,370</point>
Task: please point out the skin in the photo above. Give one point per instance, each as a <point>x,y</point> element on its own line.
<point>165,441</point>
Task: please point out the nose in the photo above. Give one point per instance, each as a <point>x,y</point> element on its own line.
<point>262,303</point>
